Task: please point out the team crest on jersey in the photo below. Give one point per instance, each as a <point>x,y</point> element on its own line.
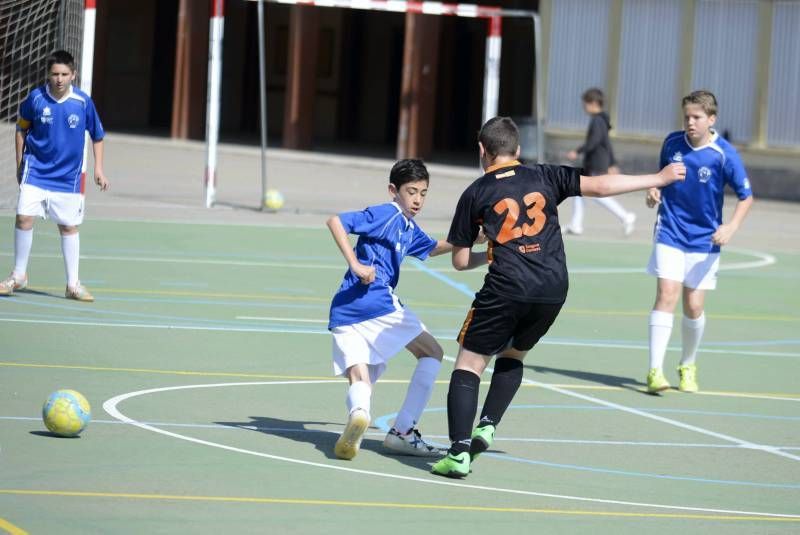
<point>704,173</point>
<point>47,115</point>
<point>677,157</point>
<point>73,120</point>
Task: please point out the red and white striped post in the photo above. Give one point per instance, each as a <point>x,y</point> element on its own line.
<point>216,26</point>
<point>491,78</point>
<point>87,66</point>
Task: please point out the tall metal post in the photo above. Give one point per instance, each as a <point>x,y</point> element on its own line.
<point>263,100</point>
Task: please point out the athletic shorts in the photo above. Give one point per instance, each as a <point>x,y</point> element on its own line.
<point>495,323</point>
<point>374,342</point>
<point>62,207</point>
<point>694,270</point>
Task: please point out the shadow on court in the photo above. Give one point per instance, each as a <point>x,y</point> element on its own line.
<point>324,440</point>
<point>601,378</point>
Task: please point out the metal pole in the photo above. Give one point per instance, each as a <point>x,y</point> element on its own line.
<point>491,77</point>
<point>539,103</point>
<point>87,66</point>
<point>215,31</point>
<point>263,101</point>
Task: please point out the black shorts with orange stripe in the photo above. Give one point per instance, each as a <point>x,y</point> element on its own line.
<point>495,323</point>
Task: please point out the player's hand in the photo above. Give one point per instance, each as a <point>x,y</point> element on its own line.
<point>653,197</point>
<point>572,155</point>
<point>101,180</point>
<point>672,172</point>
<point>723,235</point>
<point>366,274</point>
<point>613,170</point>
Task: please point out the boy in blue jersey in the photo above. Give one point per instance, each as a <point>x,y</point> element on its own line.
<point>51,129</point>
<point>689,232</point>
<point>527,281</point>
<point>367,320</point>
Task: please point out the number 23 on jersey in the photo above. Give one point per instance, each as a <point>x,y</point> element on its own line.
<point>534,203</point>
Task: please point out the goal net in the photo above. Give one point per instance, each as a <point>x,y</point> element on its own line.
<point>29,31</point>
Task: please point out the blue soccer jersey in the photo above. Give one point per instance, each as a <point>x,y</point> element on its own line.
<point>54,144</point>
<point>691,210</point>
<point>385,237</point>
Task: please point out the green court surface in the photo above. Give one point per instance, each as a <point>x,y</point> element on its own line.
<point>207,362</point>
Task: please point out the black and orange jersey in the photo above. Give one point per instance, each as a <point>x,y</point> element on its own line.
<point>518,209</point>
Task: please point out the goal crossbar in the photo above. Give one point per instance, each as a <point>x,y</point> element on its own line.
<point>491,85</point>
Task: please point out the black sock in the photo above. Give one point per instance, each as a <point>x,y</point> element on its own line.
<point>462,404</point>
<point>506,379</point>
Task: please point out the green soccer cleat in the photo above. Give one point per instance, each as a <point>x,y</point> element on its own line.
<point>456,466</point>
<point>482,438</point>
<point>688,375</point>
<point>656,382</point>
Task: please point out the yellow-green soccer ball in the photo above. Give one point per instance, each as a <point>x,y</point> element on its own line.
<point>273,199</point>
<point>66,413</point>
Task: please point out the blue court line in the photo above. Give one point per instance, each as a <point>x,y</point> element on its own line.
<point>463,288</point>
<point>242,326</point>
<point>383,424</point>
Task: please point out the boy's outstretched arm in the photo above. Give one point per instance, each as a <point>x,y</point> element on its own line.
<point>466,258</point>
<point>605,185</point>
<point>365,273</point>
<point>726,231</point>
<point>442,246</point>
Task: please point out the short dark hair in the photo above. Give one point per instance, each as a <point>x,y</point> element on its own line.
<point>61,57</point>
<point>593,94</point>
<point>408,170</point>
<point>706,100</point>
<point>499,136</point>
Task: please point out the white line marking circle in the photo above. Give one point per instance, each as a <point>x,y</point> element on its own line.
<point>110,406</point>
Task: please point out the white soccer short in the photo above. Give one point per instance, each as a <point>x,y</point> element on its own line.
<point>374,342</point>
<point>694,270</point>
<point>62,207</point>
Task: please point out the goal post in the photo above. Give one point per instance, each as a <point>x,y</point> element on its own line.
<point>31,30</point>
<point>491,86</point>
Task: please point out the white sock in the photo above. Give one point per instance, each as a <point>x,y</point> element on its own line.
<point>613,206</point>
<point>358,396</point>
<point>577,214</point>
<point>418,394</point>
<point>23,241</point>
<point>691,334</point>
<point>660,331</point>
<point>71,248</point>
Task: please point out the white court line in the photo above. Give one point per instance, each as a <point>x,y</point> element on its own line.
<point>275,318</point>
<point>675,423</point>
<point>381,434</point>
<point>110,406</point>
<point>763,259</point>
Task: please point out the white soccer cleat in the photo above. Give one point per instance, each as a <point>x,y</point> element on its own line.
<point>10,284</point>
<point>348,444</point>
<point>410,444</point>
<point>79,293</point>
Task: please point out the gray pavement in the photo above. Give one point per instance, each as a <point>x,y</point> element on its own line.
<point>162,179</point>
